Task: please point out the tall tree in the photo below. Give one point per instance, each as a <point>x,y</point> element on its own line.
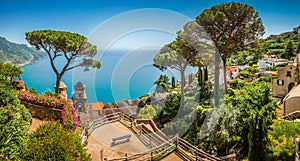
<point>173,84</point>
<point>70,46</point>
<point>231,27</point>
<point>176,55</point>
<point>199,63</point>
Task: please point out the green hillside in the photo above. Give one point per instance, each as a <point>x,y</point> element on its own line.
<point>17,53</point>
<point>276,44</point>
<point>272,45</point>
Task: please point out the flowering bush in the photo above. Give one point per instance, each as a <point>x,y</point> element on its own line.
<point>69,115</point>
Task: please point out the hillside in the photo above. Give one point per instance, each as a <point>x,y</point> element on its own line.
<point>272,45</point>
<point>276,44</point>
<point>19,54</point>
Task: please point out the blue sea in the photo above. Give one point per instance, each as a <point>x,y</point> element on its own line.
<point>124,75</point>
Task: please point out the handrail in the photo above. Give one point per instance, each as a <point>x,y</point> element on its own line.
<point>164,144</point>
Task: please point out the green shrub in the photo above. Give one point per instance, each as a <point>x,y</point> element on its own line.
<point>52,142</point>
<point>14,123</point>
<point>48,92</point>
<point>281,140</point>
<point>244,73</point>
<point>147,112</point>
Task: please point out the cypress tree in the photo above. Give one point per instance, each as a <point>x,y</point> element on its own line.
<point>173,82</point>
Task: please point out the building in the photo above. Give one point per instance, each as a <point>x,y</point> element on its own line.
<point>286,78</point>
<point>79,98</point>
<point>297,30</point>
<point>62,90</point>
<point>232,73</point>
<point>291,101</point>
<point>269,61</point>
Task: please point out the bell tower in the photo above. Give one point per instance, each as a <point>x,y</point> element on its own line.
<point>79,98</point>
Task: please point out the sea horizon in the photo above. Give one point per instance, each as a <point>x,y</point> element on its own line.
<point>111,83</point>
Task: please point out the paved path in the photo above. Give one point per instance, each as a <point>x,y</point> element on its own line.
<point>172,157</point>
<point>101,139</point>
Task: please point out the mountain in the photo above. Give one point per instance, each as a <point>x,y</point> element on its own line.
<point>19,54</point>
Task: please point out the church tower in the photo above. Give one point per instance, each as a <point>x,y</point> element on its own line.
<point>79,97</point>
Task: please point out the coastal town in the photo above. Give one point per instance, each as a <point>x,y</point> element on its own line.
<point>224,92</point>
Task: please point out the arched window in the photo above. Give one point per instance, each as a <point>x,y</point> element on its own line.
<point>79,107</point>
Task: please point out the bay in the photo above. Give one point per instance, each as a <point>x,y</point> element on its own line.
<point>124,75</point>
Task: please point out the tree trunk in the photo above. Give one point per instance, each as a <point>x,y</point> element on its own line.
<point>199,75</point>
<point>217,76</point>
<point>225,79</point>
<point>58,79</point>
<point>205,74</point>
<point>182,84</point>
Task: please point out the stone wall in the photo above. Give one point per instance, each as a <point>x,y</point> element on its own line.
<point>43,113</point>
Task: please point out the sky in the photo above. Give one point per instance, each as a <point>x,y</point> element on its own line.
<point>85,17</point>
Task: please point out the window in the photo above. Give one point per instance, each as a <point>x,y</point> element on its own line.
<point>280,82</point>
<point>288,74</point>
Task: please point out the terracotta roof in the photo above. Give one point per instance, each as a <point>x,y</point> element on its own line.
<point>97,106</point>
<point>231,69</point>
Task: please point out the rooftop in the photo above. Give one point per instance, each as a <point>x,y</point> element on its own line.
<point>295,92</point>
<point>79,85</point>
<point>96,106</point>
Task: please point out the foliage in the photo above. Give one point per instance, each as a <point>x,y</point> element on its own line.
<point>170,108</point>
<point>70,46</point>
<point>48,92</point>
<point>173,83</point>
<point>52,142</point>
<point>147,112</point>
<point>41,100</point>
<point>32,90</point>
<point>17,53</point>
<point>14,128</point>
<point>236,84</point>
<point>10,71</point>
<point>281,143</point>
<point>69,115</point>
<point>247,114</point>
<point>186,50</point>
<point>171,56</point>
<point>288,54</point>
<point>265,79</point>
<point>245,74</point>
<point>6,92</point>
<point>14,123</point>
<point>298,49</point>
<point>162,84</point>
<point>276,45</point>
<point>231,26</point>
